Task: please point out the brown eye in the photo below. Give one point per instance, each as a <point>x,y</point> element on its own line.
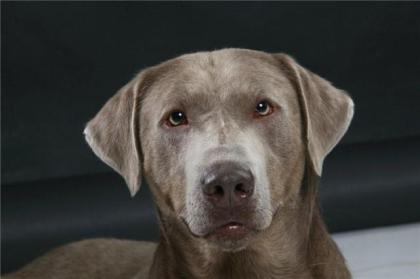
<point>177,118</point>
<point>263,108</point>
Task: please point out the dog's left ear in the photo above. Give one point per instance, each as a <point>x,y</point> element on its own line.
<point>327,111</point>
<point>113,134</point>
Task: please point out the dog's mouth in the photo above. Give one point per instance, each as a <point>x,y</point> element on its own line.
<point>231,231</point>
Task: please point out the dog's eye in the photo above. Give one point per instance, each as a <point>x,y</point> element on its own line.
<point>263,108</point>
<point>177,118</point>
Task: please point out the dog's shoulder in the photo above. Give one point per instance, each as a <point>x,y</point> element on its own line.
<point>92,258</point>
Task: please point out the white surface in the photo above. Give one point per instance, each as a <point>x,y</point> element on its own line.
<point>382,253</point>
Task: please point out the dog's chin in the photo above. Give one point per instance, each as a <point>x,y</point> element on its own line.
<point>229,245</point>
<point>232,236</point>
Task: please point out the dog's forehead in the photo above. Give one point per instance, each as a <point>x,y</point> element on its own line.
<point>217,78</point>
<point>226,72</point>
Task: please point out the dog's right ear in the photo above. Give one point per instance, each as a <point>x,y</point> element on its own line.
<point>113,134</point>
<point>327,110</point>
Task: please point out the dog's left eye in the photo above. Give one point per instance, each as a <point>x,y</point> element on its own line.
<point>263,108</point>
<point>177,118</point>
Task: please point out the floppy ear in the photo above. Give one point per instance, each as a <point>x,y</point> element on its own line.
<point>113,134</point>
<point>327,111</point>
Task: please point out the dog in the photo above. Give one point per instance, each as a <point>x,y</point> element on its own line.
<point>231,143</point>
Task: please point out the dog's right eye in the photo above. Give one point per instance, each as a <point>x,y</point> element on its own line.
<point>177,118</point>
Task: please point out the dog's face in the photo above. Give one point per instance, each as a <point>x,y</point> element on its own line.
<point>220,134</point>
<point>221,137</point>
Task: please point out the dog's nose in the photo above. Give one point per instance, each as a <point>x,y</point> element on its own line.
<point>228,184</point>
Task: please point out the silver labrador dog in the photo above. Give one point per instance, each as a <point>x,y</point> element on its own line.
<point>232,144</point>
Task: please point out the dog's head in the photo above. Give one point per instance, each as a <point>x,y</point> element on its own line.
<point>221,137</point>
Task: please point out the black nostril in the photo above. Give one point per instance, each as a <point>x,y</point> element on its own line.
<point>240,188</point>
<point>214,190</point>
<point>243,190</point>
<point>219,191</point>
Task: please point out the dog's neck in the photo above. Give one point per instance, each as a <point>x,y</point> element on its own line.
<point>287,249</point>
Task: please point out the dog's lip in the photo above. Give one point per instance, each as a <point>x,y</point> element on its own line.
<point>231,230</point>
